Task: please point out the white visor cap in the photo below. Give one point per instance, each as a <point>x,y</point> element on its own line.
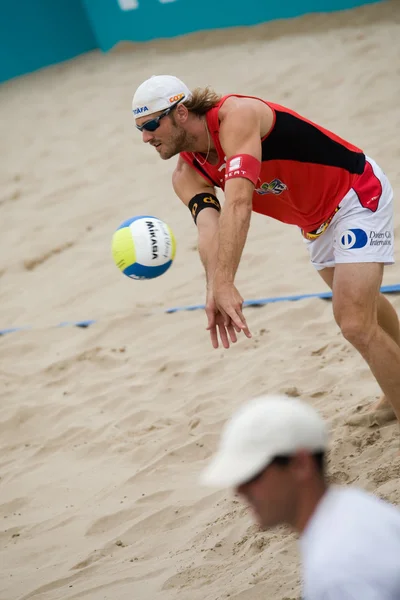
<point>158,93</point>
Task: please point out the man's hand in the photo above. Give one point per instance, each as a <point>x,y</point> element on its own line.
<point>227,330</point>
<point>228,304</point>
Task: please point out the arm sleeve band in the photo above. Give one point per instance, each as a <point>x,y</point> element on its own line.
<point>200,201</point>
<point>243,165</point>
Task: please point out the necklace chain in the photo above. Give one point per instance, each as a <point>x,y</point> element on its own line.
<point>209,144</point>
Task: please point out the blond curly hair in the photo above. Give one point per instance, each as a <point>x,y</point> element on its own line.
<point>202,100</point>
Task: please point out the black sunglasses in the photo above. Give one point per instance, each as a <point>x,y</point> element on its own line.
<point>154,124</point>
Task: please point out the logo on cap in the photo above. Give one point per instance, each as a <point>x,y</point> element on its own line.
<point>176,98</point>
<point>142,109</point>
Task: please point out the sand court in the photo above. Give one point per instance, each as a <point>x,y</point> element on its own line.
<point>104,429</point>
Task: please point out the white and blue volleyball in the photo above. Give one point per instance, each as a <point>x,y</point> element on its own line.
<point>143,247</point>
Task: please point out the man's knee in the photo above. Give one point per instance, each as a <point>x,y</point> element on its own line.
<point>356,334</point>
<point>355,301</point>
<point>357,327</point>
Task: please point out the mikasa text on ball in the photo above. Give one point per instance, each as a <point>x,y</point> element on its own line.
<point>143,247</point>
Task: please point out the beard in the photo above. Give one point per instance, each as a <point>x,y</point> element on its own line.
<point>179,141</point>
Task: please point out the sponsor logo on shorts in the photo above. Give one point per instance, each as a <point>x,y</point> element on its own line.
<point>380,238</point>
<point>140,110</point>
<point>353,238</point>
<point>276,187</point>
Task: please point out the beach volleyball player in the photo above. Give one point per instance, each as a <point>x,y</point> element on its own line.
<point>271,160</point>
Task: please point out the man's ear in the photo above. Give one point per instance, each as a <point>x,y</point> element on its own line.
<point>182,113</point>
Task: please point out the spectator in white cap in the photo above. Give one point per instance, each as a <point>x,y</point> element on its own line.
<point>272,452</point>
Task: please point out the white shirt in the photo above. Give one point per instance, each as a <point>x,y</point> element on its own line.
<point>351,548</point>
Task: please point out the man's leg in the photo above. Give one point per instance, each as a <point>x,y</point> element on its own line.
<point>387,319</point>
<point>356,300</point>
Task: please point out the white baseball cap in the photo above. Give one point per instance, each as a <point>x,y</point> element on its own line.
<point>158,93</point>
<point>265,427</point>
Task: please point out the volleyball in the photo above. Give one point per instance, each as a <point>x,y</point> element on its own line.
<point>143,247</point>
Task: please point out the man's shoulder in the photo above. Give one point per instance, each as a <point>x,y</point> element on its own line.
<point>356,497</point>
<point>349,513</point>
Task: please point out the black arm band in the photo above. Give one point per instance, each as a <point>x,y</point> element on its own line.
<point>200,201</point>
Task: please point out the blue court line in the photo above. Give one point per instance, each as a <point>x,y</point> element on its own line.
<point>82,324</point>
<point>76,323</point>
<point>385,289</point>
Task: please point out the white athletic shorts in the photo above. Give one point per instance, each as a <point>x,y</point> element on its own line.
<point>358,234</point>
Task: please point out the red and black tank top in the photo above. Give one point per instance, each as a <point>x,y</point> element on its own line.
<point>306,170</point>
